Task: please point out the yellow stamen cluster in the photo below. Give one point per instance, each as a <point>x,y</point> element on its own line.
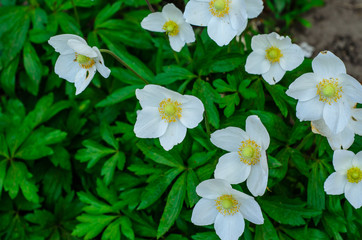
<point>84,61</point>
<point>171,28</point>
<point>170,110</point>
<point>227,205</point>
<point>219,8</point>
<point>273,54</point>
<point>329,91</point>
<point>249,152</point>
<point>354,175</point>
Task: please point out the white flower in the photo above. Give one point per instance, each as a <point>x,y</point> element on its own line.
<point>77,62</point>
<point>226,208</point>
<point>272,56</point>
<point>327,93</point>
<point>166,114</point>
<point>172,22</point>
<point>247,158</point>
<point>345,138</point>
<point>347,178</point>
<point>224,19</point>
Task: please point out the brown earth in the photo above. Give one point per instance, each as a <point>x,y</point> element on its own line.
<point>336,27</point>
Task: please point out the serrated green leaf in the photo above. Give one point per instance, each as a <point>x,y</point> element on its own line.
<point>205,236</point>
<point>306,233</point>
<point>119,95</point>
<point>172,74</point>
<point>157,187</point>
<point>93,152</point>
<point>95,206</point>
<point>7,77</point>
<point>110,165</point>
<point>112,231</point>
<point>173,206</point>
<point>107,135</point>
<point>287,211</point>
<point>315,190</point>
<point>91,225</point>
<point>126,227</point>
<point>192,182</point>
<point>266,231</point>
<point>200,158</point>
<point>3,166</point>
<point>278,94</point>
<point>159,156</point>
<point>106,13</point>
<point>68,24</point>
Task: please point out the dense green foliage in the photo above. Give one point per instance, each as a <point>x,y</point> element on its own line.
<point>72,168</point>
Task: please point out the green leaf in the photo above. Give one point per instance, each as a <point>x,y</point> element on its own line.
<point>208,96</point>
<point>173,206</point>
<point>172,74</point>
<point>7,77</point>
<point>306,233</point>
<point>200,158</point>
<point>95,206</point>
<point>91,225</point>
<point>192,182</point>
<point>110,165</point>
<point>205,236</point>
<point>119,95</point>
<point>157,187</point>
<point>266,231</point>
<point>315,190</point>
<point>227,62</point>
<point>126,227</point>
<point>3,166</point>
<point>159,156</point>
<point>93,152</point>
<point>287,211</point>
<point>106,13</point>
<point>33,68</point>
<point>68,24</point>
<point>3,147</point>
<point>113,231</point>
<point>222,86</point>
<point>107,135</point>
<point>278,94</point>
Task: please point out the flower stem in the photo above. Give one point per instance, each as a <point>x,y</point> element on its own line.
<point>150,6</point>
<point>123,63</point>
<point>75,12</point>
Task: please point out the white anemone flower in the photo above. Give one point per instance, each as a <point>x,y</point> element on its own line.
<point>224,19</point>
<point>348,177</point>
<point>345,138</point>
<point>172,22</point>
<point>246,158</point>
<point>226,208</point>
<point>327,93</point>
<point>166,115</point>
<point>77,62</point>
<point>272,56</point>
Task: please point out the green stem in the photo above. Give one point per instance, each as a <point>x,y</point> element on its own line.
<point>123,63</point>
<point>150,6</point>
<point>176,57</point>
<point>75,12</point>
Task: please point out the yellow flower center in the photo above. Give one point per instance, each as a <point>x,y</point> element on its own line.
<point>171,28</point>
<point>249,152</point>
<point>170,110</point>
<point>329,91</point>
<point>273,54</point>
<point>227,205</point>
<point>219,8</point>
<point>84,61</point>
<point>354,175</point>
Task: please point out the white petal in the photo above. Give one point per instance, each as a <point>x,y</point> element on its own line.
<point>256,131</point>
<point>327,65</point>
<point>274,75</point>
<point>253,7</point>
<point>335,183</point>
<point>192,111</point>
<point>81,48</point>
<point>260,42</point>
<point>303,88</point>
<point>150,96</point>
<point>351,87</point>
<point>229,227</point>
<point>187,33</point>
<point>197,13</point>
<point>204,212</point>
<point>149,123</point>
<point>232,169</point>
<point>343,139</point>
<point>336,116</point>
<point>238,16</point>
<point>213,188</point>
<point>249,208</point>
<point>320,127</point>
<point>310,110</point>
<point>176,42</point>
<point>154,22</point>
<point>257,180</point>
<point>356,124</point>
<point>292,57</point>
<point>60,43</point>
<point>220,30</point>
<point>171,12</point>
<point>256,63</point>
<point>83,78</point>
<point>357,160</point>
<point>229,138</point>
<point>342,160</point>
<point>353,193</point>
<point>174,134</point>
<point>278,41</point>
<point>102,69</point>
<point>66,68</point>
